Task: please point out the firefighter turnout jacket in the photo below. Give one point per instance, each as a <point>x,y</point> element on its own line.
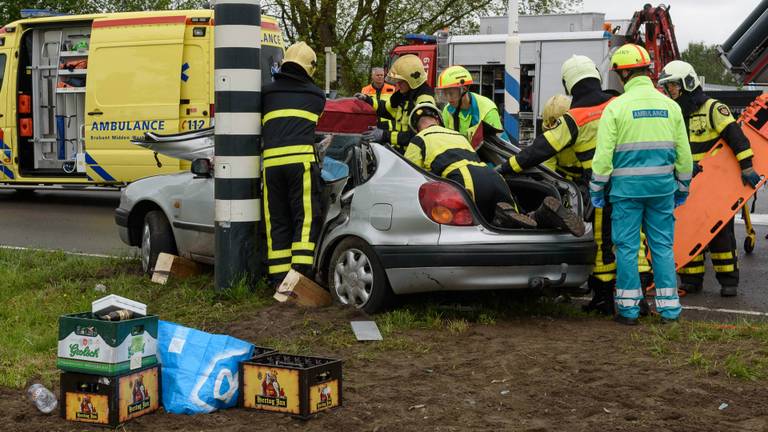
<point>398,110</point>
<point>291,106</point>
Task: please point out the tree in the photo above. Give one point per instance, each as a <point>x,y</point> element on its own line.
<point>538,7</point>
<point>706,60</point>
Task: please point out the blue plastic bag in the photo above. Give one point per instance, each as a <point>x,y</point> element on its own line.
<point>333,170</point>
<point>200,370</point>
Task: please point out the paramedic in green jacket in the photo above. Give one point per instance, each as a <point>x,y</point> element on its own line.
<point>642,149</point>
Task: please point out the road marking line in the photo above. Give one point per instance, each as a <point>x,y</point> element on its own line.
<point>91,255</point>
<point>757,219</point>
<point>706,309</point>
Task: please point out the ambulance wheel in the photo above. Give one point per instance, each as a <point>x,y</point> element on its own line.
<point>357,278</point>
<point>156,237</point>
<point>749,244</point>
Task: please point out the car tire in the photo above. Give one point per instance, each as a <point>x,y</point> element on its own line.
<point>357,278</point>
<point>156,238</point>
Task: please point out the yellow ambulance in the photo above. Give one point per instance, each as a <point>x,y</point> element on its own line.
<point>75,89</point>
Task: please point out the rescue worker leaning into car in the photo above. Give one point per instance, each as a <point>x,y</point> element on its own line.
<point>410,79</point>
<point>466,112</point>
<point>291,106</point>
<point>642,148</point>
<point>708,120</point>
<point>449,154</point>
<point>571,138</point>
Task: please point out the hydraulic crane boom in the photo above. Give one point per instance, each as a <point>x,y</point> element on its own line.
<point>653,29</point>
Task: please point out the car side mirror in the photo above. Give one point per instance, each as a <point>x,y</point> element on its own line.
<point>202,168</point>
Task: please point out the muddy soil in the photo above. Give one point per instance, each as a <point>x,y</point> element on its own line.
<point>532,374</point>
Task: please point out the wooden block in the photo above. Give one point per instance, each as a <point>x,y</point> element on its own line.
<point>177,266</point>
<point>301,290</point>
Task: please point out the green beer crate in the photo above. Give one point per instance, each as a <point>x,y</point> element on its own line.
<point>93,346</point>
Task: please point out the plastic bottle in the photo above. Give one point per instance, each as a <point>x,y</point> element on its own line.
<point>42,397</point>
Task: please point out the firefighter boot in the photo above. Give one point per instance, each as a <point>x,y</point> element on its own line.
<point>691,288</point>
<point>728,291</point>
<point>552,214</point>
<point>506,216</point>
<point>602,297</point>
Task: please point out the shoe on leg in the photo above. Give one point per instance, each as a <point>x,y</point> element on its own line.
<point>690,288</point>
<point>625,321</point>
<point>506,216</point>
<point>552,214</point>
<point>602,297</point>
<point>728,291</point>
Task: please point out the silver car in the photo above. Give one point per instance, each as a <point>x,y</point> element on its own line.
<point>390,228</point>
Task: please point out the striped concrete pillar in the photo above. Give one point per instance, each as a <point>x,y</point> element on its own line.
<point>237,169</point>
<point>512,76</point>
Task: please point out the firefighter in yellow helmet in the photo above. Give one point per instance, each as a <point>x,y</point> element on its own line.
<point>573,135</point>
<point>410,79</point>
<point>291,105</point>
<point>466,112</point>
<point>709,120</point>
<point>642,149</point>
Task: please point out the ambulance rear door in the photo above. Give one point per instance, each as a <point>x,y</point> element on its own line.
<point>6,114</point>
<point>133,86</point>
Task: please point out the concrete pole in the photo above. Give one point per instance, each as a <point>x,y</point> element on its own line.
<point>237,168</point>
<point>512,76</point>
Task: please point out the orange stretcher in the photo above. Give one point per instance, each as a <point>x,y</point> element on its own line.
<point>698,220</point>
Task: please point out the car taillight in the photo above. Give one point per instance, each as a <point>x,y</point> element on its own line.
<point>444,204</point>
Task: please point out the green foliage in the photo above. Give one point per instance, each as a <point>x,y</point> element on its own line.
<point>538,7</point>
<point>706,61</point>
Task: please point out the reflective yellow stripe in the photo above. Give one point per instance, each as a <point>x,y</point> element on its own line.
<point>289,150</point>
<point>698,156</point>
<point>309,246</point>
<point>608,277</point>
<point>587,164</point>
<point>393,138</point>
<point>307,192</point>
<point>721,255</point>
<point>692,270</point>
<point>724,268</point>
<point>301,259</point>
<point>282,268</point>
<point>469,185</point>
<point>289,113</point>
<point>697,258</point>
<point>285,160</point>
<point>277,254</point>
<point>744,154</point>
<point>267,217</point>
<point>604,268</point>
<point>515,166</point>
<point>458,164</point>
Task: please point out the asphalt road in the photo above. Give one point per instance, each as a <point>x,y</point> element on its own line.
<point>70,221</point>
<point>83,222</point>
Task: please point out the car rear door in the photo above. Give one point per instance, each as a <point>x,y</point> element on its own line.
<point>133,86</point>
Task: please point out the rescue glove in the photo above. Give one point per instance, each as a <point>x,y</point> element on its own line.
<point>697,169</point>
<point>750,177</point>
<point>598,201</point>
<point>365,98</point>
<point>504,169</point>
<point>680,198</point>
<point>374,134</point>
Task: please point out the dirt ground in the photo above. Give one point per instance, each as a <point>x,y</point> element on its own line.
<point>532,374</point>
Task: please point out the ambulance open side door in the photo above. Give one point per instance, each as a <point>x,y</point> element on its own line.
<point>133,86</point>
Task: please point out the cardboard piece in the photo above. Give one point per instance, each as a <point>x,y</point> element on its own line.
<point>171,265</point>
<point>115,302</point>
<point>366,330</point>
<point>301,290</point>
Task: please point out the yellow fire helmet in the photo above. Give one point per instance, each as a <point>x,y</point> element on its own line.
<point>424,109</point>
<point>555,107</point>
<point>576,69</point>
<point>454,76</point>
<point>680,72</point>
<point>410,69</point>
<point>630,56</point>
<point>301,54</point>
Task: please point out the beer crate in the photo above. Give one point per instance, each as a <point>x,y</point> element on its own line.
<point>297,385</point>
<point>90,345</point>
<point>109,400</point>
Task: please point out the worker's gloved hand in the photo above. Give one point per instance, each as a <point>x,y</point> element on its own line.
<point>365,98</point>
<point>374,134</point>
<point>504,169</point>
<point>680,198</point>
<point>697,169</point>
<point>598,201</point>
<point>750,177</point>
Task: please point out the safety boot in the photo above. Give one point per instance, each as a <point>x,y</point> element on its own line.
<point>728,291</point>
<point>691,288</point>
<point>506,216</point>
<point>602,298</point>
<point>626,321</point>
<point>552,214</point>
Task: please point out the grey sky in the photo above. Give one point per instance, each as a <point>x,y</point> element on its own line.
<point>711,21</point>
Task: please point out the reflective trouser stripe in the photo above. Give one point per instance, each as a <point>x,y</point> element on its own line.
<point>307,204</point>
<point>469,185</point>
<point>289,150</point>
<point>277,269</point>
<point>721,255</point>
<point>724,268</point>
<point>309,246</point>
<point>666,292</point>
<point>287,160</point>
<point>693,270</point>
<point>667,303</point>
<point>629,293</point>
<point>301,259</point>
<point>277,254</point>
